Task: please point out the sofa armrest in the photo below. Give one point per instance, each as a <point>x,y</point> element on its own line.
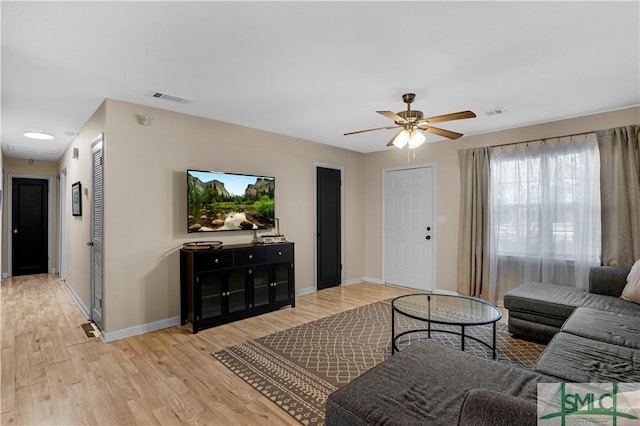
<point>485,407</point>
<point>608,280</point>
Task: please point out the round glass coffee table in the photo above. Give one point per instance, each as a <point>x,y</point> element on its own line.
<point>450,310</point>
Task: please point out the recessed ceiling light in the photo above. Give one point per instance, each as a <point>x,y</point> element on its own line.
<point>39,135</point>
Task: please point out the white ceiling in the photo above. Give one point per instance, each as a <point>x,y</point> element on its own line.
<point>314,70</point>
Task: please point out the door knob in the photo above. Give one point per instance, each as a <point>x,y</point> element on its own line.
<point>90,244</point>
<point>15,231</point>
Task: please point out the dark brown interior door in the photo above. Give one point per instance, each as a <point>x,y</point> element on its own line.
<point>29,230</point>
<point>329,261</point>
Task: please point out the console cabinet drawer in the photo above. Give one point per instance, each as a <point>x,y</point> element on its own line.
<point>249,256</point>
<point>213,259</point>
<point>279,253</point>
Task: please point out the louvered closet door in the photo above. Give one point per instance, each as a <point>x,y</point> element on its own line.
<point>96,232</point>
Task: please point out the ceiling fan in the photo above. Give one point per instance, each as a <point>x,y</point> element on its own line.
<point>411,122</point>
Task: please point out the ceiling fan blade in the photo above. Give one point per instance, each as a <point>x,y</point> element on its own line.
<point>393,138</point>
<point>392,115</point>
<point>371,130</point>
<point>440,132</point>
<point>448,117</point>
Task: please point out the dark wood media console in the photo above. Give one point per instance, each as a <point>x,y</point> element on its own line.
<point>226,284</point>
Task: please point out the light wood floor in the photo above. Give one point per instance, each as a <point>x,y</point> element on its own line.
<point>52,373</point>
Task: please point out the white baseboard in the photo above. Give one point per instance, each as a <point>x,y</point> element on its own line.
<point>372,280</point>
<point>304,291</point>
<point>77,299</point>
<point>110,336</point>
<point>352,282</point>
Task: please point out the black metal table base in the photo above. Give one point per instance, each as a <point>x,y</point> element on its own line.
<point>395,339</point>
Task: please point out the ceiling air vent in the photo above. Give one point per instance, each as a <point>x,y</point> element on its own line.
<point>495,111</point>
<point>171,98</point>
<point>31,149</point>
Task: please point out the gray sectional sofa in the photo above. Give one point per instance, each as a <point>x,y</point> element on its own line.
<point>538,311</point>
<point>595,338</point>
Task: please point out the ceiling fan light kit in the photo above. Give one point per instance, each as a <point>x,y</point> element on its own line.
<point>416,139</point>
<point>413,138</point>
<point>412,122</point>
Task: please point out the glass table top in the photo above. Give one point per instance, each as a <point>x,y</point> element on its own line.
<point>447,309</point>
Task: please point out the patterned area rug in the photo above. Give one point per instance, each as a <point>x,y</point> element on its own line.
<point>299,367</point>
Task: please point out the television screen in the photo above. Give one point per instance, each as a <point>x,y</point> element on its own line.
<point>218,201</point>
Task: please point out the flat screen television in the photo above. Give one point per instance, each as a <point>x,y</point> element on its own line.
<point>218,201</point>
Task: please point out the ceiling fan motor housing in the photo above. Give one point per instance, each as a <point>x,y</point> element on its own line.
<point>411,116</point>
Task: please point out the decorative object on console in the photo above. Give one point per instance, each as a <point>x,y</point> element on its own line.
<point>272,239</point>
<point>202,245</point>
<point>218,201</point>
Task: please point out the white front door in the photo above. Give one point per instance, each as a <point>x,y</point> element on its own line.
<point>409,227</point>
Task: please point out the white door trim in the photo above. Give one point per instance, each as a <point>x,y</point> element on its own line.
<point>434,232</point>
<point>62,224</point>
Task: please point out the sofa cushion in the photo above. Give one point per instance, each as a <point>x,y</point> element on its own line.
<point>609,327</point>
<point>612,304</point>
<point>484,407</point>
<point>579,359</point>
<point>607,280</point>
<point>532,329</point>
<point>550,300</point>
<point>631,291</point>
<point>537,318</point>
<point>424,384</point>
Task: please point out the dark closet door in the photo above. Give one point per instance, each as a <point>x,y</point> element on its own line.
<point>29,230</point>
<point>328,214</point>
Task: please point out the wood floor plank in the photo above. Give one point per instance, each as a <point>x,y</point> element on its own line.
<point>52,373</point>
<point>7,380</point>
<point>29,363</point>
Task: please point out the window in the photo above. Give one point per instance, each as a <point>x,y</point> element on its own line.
<point>545,206</point>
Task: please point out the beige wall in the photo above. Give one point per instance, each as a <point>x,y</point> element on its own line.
<point>19,167</point>
<point>445,158</point>
<point>145,202</point>
<point>79,170</point>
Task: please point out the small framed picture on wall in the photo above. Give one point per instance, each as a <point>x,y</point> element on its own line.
<point>76,199</point>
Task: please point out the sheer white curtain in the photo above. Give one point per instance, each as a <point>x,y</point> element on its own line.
<point>545,213</point>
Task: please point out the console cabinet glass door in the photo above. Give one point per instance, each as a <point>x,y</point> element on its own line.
<point>281,282</point>
<point>211,289</point>
<point>236,294</point>
<point>261,284</point>
<point>238,281</point>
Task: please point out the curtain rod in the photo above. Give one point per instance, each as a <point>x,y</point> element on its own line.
<point>542,139</point>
